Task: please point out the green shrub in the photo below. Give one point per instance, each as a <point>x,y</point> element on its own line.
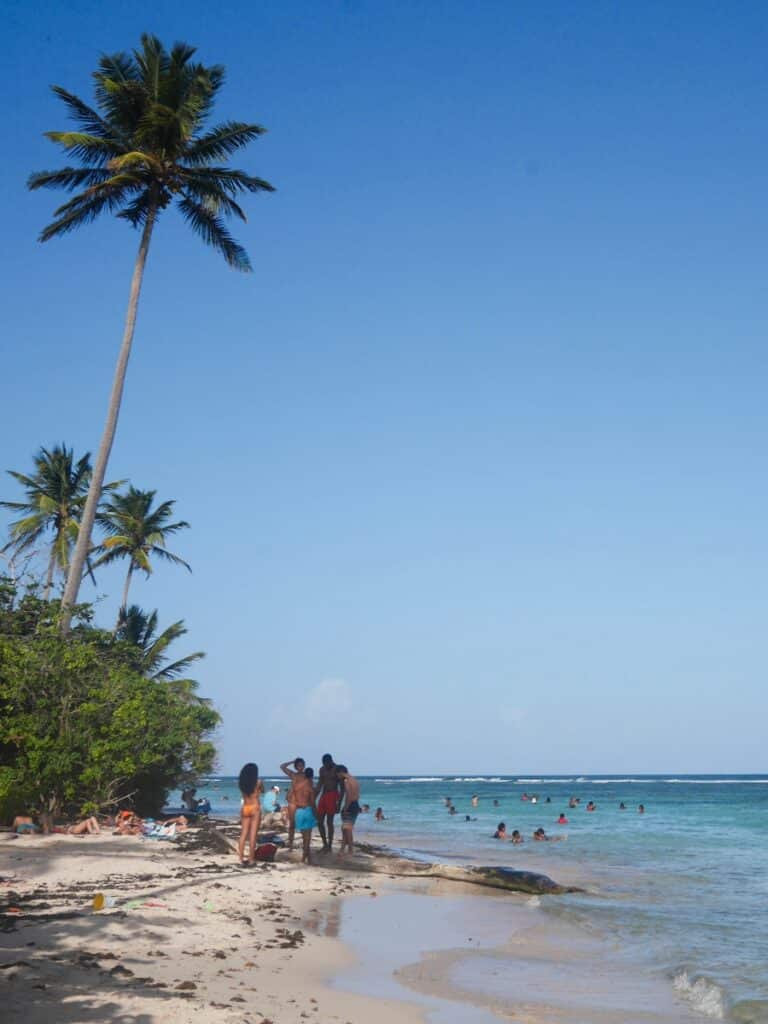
<point>82,729</point>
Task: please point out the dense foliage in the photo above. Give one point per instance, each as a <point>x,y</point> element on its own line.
<point>81,725</point>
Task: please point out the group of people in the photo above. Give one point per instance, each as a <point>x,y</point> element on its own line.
<point>311,803</point>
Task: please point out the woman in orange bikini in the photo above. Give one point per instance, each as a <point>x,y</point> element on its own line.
<point>250,812</point>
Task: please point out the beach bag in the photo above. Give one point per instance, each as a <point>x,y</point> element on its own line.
<point>266,852</point>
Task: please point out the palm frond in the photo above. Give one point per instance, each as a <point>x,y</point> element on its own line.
<point>69,178</point>
<point>228,179</point>
<point>91,149</point>
<point>83,212</point>
<point>212,230</point>
<point>222,141</point>
<point>204,190</point>
<point>167,556</point>
<point>84,115</point>
<point>177,667</point>
<point>137,210</point>
<point>14,506</point>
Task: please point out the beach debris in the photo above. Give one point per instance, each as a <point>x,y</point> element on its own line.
<point>101,901</point>
<point>186,986</point>
<point>119,971</point>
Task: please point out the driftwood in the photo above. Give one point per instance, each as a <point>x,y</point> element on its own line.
<point>490,877</point>
<point>378,860</point>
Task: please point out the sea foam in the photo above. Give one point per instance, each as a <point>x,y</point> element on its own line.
<point>703,994</point>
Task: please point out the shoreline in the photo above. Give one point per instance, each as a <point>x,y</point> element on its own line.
<point>282,943</point>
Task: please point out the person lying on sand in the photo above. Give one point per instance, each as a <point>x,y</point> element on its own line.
<point>86,827</point>
<point>23,825</point>
<point>130,824</point>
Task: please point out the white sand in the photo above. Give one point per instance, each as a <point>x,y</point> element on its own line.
<point>237,940</point>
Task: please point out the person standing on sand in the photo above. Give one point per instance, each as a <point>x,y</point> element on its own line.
<point>299,764</point>
<point>350,806</point>
<point>328,804</point>
<point>305,817</point>
<point>250,812</point>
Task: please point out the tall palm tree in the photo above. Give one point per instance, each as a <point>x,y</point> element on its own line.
<point>55,496</point>
<point>136,531</point>
<point>143,147</point>
<point>139,628</point>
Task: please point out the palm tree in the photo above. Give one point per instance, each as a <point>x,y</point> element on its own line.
<point>136,531</point>
<point>55,495</point>
<point>142,148</point>
<point>140,629</point>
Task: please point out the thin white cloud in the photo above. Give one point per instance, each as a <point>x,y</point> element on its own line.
<point>329,697</point>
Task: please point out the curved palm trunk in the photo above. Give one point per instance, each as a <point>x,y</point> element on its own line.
<point>49,574</point>
<point>126,587</point>
<point>100,468</point>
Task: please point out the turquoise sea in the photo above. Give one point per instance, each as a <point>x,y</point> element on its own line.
<point>681,890</point>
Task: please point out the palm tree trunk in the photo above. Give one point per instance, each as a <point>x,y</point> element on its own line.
<point>100,468</point>
<point>124,602</point>
<point>49,574</point>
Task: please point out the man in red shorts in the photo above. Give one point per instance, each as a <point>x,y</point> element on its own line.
<point>328,804</point>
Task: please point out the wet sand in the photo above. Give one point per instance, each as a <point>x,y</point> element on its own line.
<point>473,957</point>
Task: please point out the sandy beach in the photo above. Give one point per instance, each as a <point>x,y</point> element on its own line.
<point>193,936</point>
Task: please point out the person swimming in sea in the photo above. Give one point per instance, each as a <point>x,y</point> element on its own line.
<point>622,806</point>
<point>562,820</point>
<point>641,809</point>
<point>501,831</point>
<point>516,837</point>
<point>379,815</point>
<point>591,806</point>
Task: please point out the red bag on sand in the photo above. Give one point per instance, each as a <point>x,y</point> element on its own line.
<point>266,852</point>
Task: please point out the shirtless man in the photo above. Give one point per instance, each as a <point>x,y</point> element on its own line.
<point>328,804</point>
<point>305,817</point>
<point>293,773</point>
<point>350,806</point>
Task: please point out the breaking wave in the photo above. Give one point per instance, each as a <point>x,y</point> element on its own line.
<point>703,994</point>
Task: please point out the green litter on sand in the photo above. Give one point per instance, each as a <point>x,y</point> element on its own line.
<point>207,905</point>
<point>132,904</point>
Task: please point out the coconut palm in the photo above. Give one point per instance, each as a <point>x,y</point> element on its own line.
<point>143,147</point>
<point>138,532</point>
<point>55,496</point>
<point>139,628</point>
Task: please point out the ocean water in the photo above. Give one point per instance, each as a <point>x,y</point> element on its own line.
<point>682,890</point>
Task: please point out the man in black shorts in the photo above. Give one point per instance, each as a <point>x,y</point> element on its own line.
<point>350,806</point>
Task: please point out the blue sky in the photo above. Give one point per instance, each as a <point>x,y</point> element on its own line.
<point>476,459</point>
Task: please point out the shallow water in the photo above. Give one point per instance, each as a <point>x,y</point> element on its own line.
<point>681,890</point>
